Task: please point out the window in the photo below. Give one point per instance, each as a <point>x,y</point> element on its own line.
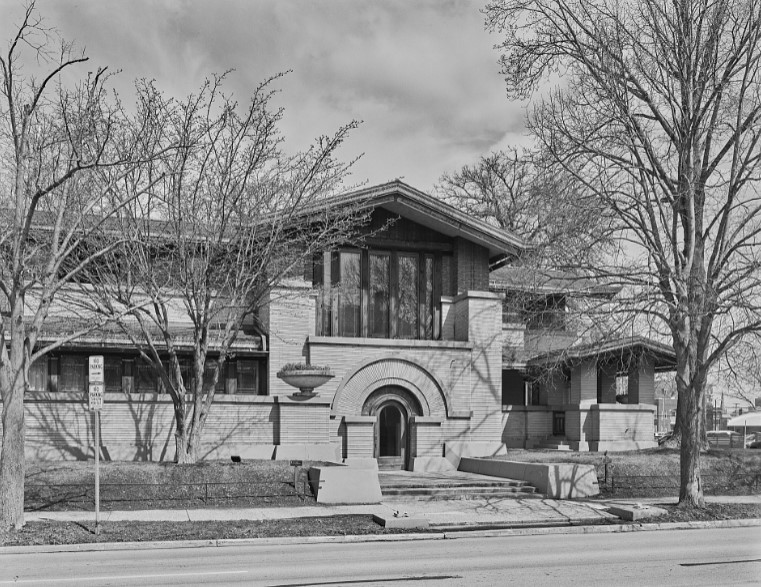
<point>379,294</point>
<point>408,297</point>
<point>428,310</point>
<point>348,291</point>
<point>248,376</point>
<point>208,377</point>
<point>113,374</point>
<point>73,373</point>
<point>146,380</point>
<point>38,375</point>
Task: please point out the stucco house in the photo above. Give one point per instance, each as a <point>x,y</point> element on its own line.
<point>429,364</point>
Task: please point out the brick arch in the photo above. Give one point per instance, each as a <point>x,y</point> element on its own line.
<point>357,385</point>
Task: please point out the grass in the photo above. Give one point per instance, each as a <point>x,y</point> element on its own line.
<point>75,533</point>
<point>43,533</point>
<point>129,485</point>
<point>69,485</point>
<point>655,472</point>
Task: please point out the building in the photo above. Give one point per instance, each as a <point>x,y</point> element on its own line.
<point>429,363</point>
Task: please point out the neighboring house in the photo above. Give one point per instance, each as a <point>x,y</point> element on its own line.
<point>426,367</point>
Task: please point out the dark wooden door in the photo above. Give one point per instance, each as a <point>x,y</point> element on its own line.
<point>391,436</point>
<point>558,423</point>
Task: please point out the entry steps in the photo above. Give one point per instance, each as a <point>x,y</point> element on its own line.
<point>404,486</point>
<point>551,443</point>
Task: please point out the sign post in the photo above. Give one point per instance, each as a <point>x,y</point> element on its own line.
<point>95,396</point>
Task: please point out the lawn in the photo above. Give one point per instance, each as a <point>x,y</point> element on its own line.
<point>127,485</point>
<point>346,525</point>
<point>655,472</point>
<point>138,485</point>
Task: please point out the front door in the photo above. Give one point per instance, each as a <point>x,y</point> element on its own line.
<point>391,435</point>
<point>558,423</point>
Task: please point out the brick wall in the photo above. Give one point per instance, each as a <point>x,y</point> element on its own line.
<point>141,426</point>
<point>471,266</point>
<point>290,318</point>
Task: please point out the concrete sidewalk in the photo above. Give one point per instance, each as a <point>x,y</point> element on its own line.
<point>502,511</point>
<point>751,499</point>
<point>443,513</point>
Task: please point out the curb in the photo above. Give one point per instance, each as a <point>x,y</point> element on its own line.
<point>445,535</point>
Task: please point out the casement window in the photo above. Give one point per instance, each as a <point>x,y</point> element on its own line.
<point>73,376</point>
<point>247,373</point>
<point>112,373</point>
<point>380,294</point>
<point>38,375</point>
<point>208,377</point>
<point>146,380</point>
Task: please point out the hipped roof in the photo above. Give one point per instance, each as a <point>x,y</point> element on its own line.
<point>548,282</point>
<point>623,350</point>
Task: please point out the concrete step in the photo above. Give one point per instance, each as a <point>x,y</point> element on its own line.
<point>553,443</point>
<point>441,489</point>
<point>451,493</point>
<point>456,483</point>
<point>554,446</point>
<point>455,490</point>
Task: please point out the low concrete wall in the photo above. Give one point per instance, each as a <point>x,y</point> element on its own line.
<point>555,480</point>
<point>341,484</point>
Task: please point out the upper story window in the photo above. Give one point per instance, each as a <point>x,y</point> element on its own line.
<point>538,313</point>
<point>380,294</point>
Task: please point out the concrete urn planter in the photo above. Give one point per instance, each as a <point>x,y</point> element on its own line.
<point>305,379</point>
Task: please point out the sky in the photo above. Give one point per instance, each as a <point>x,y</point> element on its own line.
<point>421,75</point>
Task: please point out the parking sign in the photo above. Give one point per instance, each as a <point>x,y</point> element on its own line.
<point>96,369</point>
<point>96,396</point>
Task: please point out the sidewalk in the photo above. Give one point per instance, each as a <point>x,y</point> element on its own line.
<point>438,513</point>
<point>674,500</point>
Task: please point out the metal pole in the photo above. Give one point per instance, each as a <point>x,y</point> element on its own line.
<point>97,472</point>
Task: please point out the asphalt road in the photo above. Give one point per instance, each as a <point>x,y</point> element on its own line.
<point>666,558</point>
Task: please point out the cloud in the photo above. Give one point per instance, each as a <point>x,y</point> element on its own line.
<point>422,75</point>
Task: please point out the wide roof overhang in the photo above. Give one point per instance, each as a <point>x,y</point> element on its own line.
<point>111,336</point>
<point>622,350</point>
<point>404,200</point>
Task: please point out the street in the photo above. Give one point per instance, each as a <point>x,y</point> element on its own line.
<point>668,558</point>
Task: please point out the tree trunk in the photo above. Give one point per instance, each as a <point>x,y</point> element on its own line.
<point>690,486</point>
<point>690,383</point>
<point>12,458</point>
<point>185,451</point>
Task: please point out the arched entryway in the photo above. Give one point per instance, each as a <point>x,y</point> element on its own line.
<point>392,406</point>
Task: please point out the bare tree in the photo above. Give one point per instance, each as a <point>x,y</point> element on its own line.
<point>529,195</point>
<point>64,150</point>
<point>741,370</point>
<point>232,217</point>
<point>658,113</point>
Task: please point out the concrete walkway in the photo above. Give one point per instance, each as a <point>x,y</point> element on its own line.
<point>449,513</point>
<point>501,511</point>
